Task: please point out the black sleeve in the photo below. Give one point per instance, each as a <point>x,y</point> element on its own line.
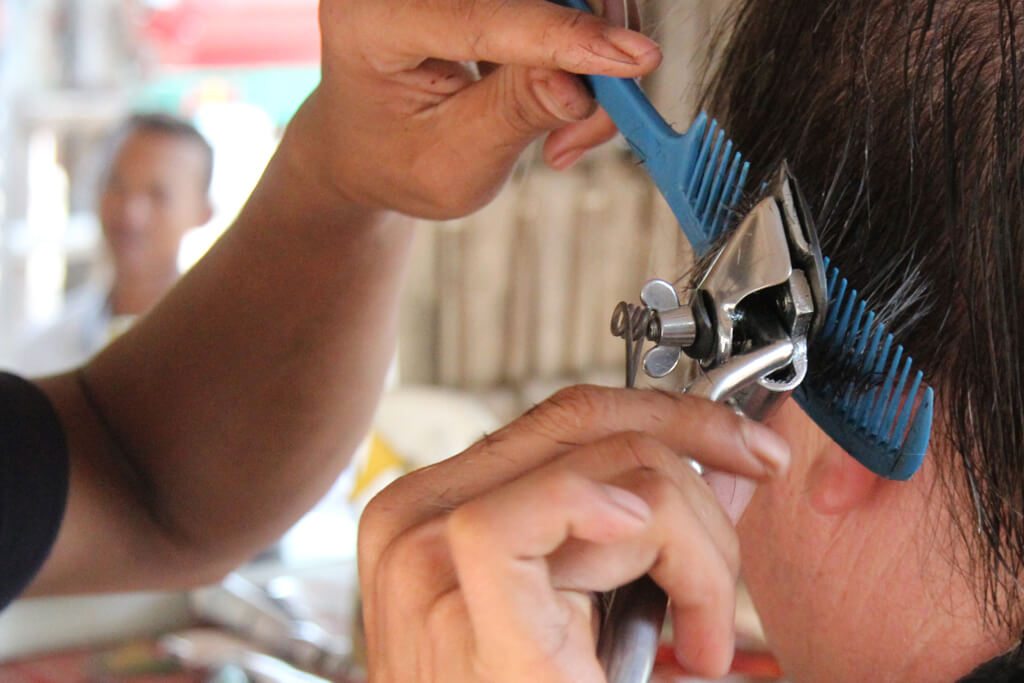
<point>33,482</point>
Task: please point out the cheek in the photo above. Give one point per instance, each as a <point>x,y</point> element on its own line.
<point>778,574</point>
<point>794,575</point>
<point>770,555</point>
<point>783,544</point>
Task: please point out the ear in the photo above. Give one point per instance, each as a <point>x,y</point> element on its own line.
<point>838,484</point>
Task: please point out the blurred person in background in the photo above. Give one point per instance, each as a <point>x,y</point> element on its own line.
<point>154,189</point>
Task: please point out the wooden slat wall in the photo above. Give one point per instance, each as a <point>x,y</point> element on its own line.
<point>524,289</point>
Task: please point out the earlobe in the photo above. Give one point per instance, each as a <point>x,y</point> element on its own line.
<point>837,483</point>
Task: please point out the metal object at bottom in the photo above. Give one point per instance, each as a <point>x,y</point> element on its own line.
<point>631,630</point>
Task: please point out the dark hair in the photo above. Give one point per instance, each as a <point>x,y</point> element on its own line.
<point>902,120</point>
<point>168,124</point>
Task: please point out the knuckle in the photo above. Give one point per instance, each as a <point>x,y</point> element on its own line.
<point>569,48</point>
<point>564,487</point>
<point>470,527</point>
<point>415,548</point>
<point>654,487</point>
<point>521,111</point>
<point>377,523</point>
<point>466,526</point>
<point>448,609</point>
<point>571,407</point>
<point>711,588</point>
<point>645,450</point>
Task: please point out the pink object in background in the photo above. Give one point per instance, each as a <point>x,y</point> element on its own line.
<point>199,33</point>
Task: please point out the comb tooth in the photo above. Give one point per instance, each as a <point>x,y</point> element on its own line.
<point>883,359</point>
<point>916,441</point>
<point>696,133</point>
<point>885,396</point>
<point>894,402</point>
<point>833,309</point>
<point>847,402</point>
<point>844,322</point>
<point>833,277</point>
<point>912,451</point>
<point>908,405</point>
<point>873,346</point>
<point>862,408</point>
<point>855,326</point>
<point>715,196</point>
<point>701,204</point>
<point>865,334</point>
<point>744,171</point>
<point>702,159</point>
<point>866,402</point>
<point>856,332</point>
<point>884,356</point>
<point>862,403</point>
<point>727,190</point>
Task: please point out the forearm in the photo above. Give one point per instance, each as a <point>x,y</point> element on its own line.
<point>212,425</point>
<point>235,403</point>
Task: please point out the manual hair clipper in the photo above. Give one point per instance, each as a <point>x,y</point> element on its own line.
<point>746,328</point>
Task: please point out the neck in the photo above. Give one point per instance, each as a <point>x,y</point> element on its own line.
<point>136,293</point>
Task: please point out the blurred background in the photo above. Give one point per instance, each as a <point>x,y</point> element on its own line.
<point>71,70</point>
<point>501,308</point>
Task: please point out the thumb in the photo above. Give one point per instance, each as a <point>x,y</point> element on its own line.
<point>514,105</point>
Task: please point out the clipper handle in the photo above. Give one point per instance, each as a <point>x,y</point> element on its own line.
<point>631,631</point>
<point>632,623</point>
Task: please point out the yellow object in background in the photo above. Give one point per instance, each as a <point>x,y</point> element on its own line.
<point>379,466</point>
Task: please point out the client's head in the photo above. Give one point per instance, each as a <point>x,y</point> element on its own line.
<point>902,120</point>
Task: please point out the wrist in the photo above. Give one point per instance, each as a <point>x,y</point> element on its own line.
<point>312,153</point>
<point>300,203</point>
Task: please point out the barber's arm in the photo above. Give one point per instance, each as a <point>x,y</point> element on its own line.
<point>205,431</point>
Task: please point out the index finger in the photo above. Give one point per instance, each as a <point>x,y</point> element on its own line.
<point>526,32</point>
<point>709,433</point>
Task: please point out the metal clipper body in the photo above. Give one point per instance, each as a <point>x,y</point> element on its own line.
<point>748,322</point>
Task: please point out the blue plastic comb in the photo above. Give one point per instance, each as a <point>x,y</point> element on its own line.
<point>885,425</point>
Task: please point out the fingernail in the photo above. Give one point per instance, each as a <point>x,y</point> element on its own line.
<point>732,492</point>
<point>564,99</point>
<point>567,159</point>
<point>628,501</point>
<point>626,46</point>
<point>766,444</point>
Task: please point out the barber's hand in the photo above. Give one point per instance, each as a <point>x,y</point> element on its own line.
<point>483,567</point>
<point>400,121</point>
